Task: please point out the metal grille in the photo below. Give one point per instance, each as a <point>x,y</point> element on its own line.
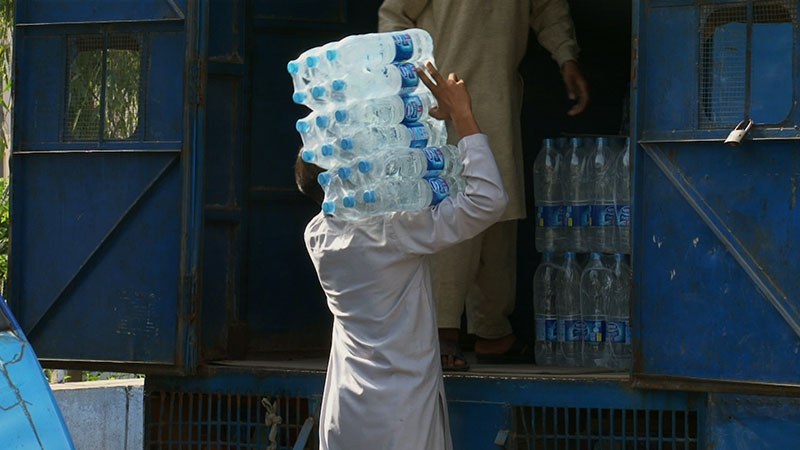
<point>104,87</point>
<point>177,420</point>
<point>723,51</point>
<point>563,428</point>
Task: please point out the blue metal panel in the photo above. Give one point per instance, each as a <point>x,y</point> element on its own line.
<point>753,422</point>
<point>474,426</point>
<point>715,227</point>
<point>71,11</point>
<point>105,232</point>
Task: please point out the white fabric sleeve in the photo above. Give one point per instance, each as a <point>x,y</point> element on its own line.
<point>463,216</point>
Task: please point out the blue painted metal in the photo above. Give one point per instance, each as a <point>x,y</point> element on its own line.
<point>753,422</point>
<point>715,226</point>
<point>29,415</point>
<point>113,265</point>
<point>44,12</point>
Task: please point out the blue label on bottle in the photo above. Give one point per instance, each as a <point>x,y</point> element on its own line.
<point>617,331</point>
<point>624,215</point>
<point>546,329</point>
<point>403,47</point>
<point>435,159</point>
<point>440,190</point>
<point>413,108</point>
<point>409,80</point>
<point>419,135</point>
<point>551,216</point>
<point>578,215</point>
<point>560,331</point>
<point>604,215</point>
<point>595,330</point>
<point>574,330</point>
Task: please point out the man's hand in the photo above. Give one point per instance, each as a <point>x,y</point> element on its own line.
<point>452,96</point>
<point>577,87</point>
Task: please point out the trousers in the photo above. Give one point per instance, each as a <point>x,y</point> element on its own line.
<point>478,276</point>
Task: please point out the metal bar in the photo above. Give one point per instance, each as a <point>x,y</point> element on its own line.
<point>103,242</point>
<point>723,232</point>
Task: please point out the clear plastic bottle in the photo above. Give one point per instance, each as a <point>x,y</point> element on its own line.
<point>388,110</point>
<point>623,199</point>
<point>376,50</point>
<point>544,308</point>
<point>595,292</point>
<point>306,69</point>
<point>618,329</point>
<point>550,208</point>
<point>570,328</point>
<point>338,201</point>
<point>409,194</point>
<point>394,79</point>
<point>428,162</point>
<point>600,171</point>
<point>315,129</point>
<point>576,195</point>
<point>361,141</point>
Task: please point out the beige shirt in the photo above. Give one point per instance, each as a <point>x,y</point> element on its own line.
<point>483,41</point>
<point>384,388</point>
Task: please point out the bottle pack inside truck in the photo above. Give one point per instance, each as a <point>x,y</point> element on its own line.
<point>156,227</point>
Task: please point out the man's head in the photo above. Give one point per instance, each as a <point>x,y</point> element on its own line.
<point>305,175</point>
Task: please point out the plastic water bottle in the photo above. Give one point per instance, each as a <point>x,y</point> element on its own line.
<point>600,171</point>
<point>338,200</point>
<point>623,201</point>
<point>409,194</point>
<point>550,208</point>
<point>376,50</point>
<point>360,141</point>
<point>394,79</point>
<point>569,326</point>
<point>618,328</point>
<point>428,162</point>
<point>323,156</point>
<point>595,292</point>
<point>576,195</point>
<point>307,68</point>
<point>389,110</point>
<point>544,308</point>
<point>315,129</point>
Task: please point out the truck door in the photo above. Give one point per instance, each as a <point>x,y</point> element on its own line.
<point>106,155</point>
<point>716,225</point>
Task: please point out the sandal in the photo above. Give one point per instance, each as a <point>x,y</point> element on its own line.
<point>519,353</point>
<point>452,358</point>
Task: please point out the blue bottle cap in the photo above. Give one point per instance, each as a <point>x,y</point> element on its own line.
<point>328,207</point>
<point>576,142</point>
<point>322,121</point>
<point>293,67</point>
<point>302,126</point>
<point>308,156</point>
<point>318,92</point>
<point>547,256</point>
<point>569,255</point>
<point>347,144</point>
<point>364,166</point>
<point>332,55</point>
<point>341,115</point>
<point>370,197</point>
<point>618,257</point>
<point>326,150</point>
<point>345,172</point>
<point>299,97</point>
<point>324,179</point>
<point>602,141</point>
<point>594,255</point>
<point>338,85</point>
<point>549,143</point>
<point>312,62</point>
<point>348,201</point>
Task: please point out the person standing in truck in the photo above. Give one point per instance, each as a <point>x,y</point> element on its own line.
<point>384,387</point>
<point>485,41</point>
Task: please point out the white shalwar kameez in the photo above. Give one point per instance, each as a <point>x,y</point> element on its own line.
<point>384,387</point>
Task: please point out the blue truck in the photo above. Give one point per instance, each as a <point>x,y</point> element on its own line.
<point>156,228</point>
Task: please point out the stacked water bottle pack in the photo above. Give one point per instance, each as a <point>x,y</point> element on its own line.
<point>369,126</point>
<point>582,191</point>
<point>582,314</point>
